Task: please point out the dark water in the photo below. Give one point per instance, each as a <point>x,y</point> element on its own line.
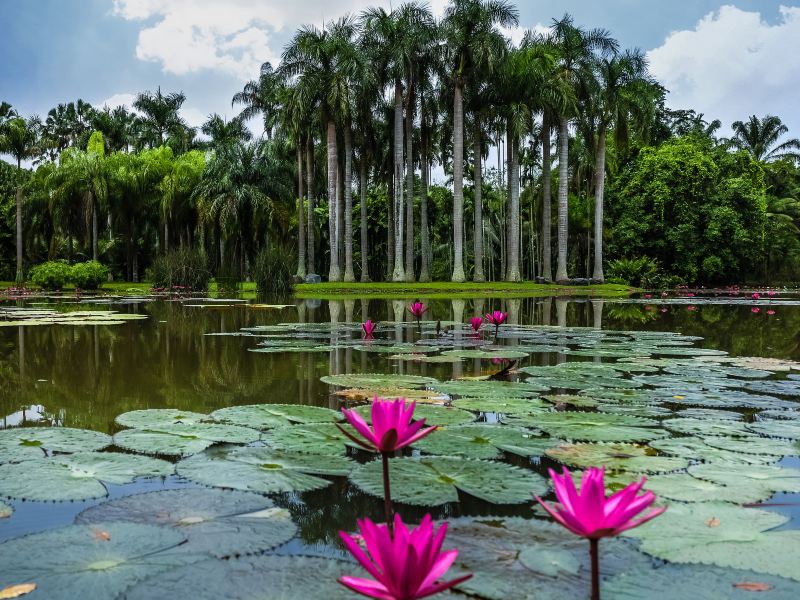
<point>84,376</point>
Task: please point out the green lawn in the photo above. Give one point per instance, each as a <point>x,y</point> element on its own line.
<point>446,289</point>
<point>143,287</point>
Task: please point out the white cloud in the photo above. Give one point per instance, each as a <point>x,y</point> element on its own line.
<point>734,64</point>
<point>112,102</point>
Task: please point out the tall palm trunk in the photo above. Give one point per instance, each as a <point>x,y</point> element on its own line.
<point>477,237</point>
<point>458,184</point>
<point>20,277</point>
<point>398,273</point>
<point>547,210</point>
<point>334,273</point>
<point>424,272</point>
<point>310,212</point>
<point>563,198</point>
<point>390,227</point>
<point>512,273</point>
<point>301,225</point>
<point>410,183</point>
<point>362,191</point>
<point>599,188</point>
<point>349,275</point>
<point>94,225</point>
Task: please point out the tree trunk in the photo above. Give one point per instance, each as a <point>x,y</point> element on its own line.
<point>134,247</point>
<point>547,214</point>
<point>425,269</point>
<point>334,273</point>
<point>166,234</point>
<point>310,212</point>
<point>398,273</point>
<point>390,227</point>
<point>458,184</point>
<point>340,216</point>
<point>301,224</point>
<point>563,199</point>
<point>599,188</point>
<point>478,195</point>
<point>94,226</point>
<point>512,273</point>
<point>349,275</point>
<point>409,183</point>
<point>20,277</point>
<point>362,191</point>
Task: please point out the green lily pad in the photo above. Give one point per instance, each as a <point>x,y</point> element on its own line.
<point>571,400</point>
<point>484,441</point>
<point>397,349</point>
<point>314,438</point>
<point>89,561</point>
<point>267,416</point>
<point>506,406</point>
<point>183,439</point>
<point>616,457</point>
<point>685,488</point>
<point>773,427</point>
<point>379,380</point>
<point>768,477</point>
<point>709,413</point>
<point>262,470</point>
<point>486,354</point>
<point>22,443</point>
<point>695,448</point>
<point>76,476</point>
<point>252,578</point>
<point>153,418</point>
<point>435,480</point>
<point>723,535</point>
<point>433,415</point>
<point>220,523</point>
<point>636,410</point>
<point>753,445</point>
<point>295,349</point>
<point>705,427</point>
<point>599,427</point>
<point>484,389</point>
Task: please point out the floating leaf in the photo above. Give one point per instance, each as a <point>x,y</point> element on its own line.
<point>486,388</point>
<point>314,438</point>
<point>433,415</point>
<point>636,410</point>
<point>267,416</point>
<point>434,480</point>
<point>775,428</point>
<point>262,470</point>
<point>570,400</point>
<point>484,441</point>
<point>486,354</point>
<point>76,476</point>
<point>21,443</point>
<point>709,413</point>
<point>71,562</point>
<point>616,457</point>
<point>252,577</point>
<point>153,418</point>
<point>685,488</point>
<point>507,406</point>
<point>15,591</point>
<point>705,427</point>
<point>183,439</point>
<point>420,396</point>
<point>695,448</point>
<point>752,445</point>
<point>766,477</point>
<point>220,523</point>
<point>377,380</point>
<point>600,427</point>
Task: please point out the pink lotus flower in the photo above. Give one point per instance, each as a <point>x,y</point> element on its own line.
<point>755,310</point>
<point>369,328</point>
<point>496,318</point>
<point>588,513</point>
<point>406,564</point>
<point>770,312</point>
<point>755,295</point>
<point>391,426</point>
<point>771,293</point>
<point>417,309</point>
<point>648,296</point>
<point>476,323</point>
<point>691,308</point>
<point>690,295</point>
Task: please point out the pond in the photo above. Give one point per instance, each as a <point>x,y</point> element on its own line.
<point>182,500</point>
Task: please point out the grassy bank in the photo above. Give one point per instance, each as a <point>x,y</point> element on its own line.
<point>446,289</point>
<point>127,288</point>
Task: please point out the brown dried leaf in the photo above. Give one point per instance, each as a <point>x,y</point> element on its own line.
<point>753,586</point>
<point>712,522</point>
<point>15,591</point>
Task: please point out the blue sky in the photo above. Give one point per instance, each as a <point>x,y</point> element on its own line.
<point>727,60</point>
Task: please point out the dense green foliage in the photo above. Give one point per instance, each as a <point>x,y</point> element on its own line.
<point>52,275</point>
<point>88,275</point>
<point>181,268</point>
<point>273,272</point>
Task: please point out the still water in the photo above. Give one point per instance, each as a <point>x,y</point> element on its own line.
<point>84,376</point>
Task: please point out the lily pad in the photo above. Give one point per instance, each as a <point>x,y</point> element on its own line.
<point>484,441</point>
<point>89,561</point>
<point>379,380</point>
<point>709,413</point>
<point>76,476</point>
<point>251,578</point>
<point>433,415</point>
<point>153,418</point>
<point>485,388</point>
<point>506,406</point>
<point>367,394</point>
<point>183,439</point>
<point>571,400</point>
<point>598,427</point>
<point>267,416</point>
<point>705,427</point>
<point>636,410</point>
<point>220,523</point>
<point>434,480</point>
<point>768,477</point>
<point>616,457</point>
<point>776,428</point>
<point>262,470</point>
<point>21,443</point>
<point>314,438</point>
<point>486,354</point>
<point>685,488</point>
<point>753,445</point>
<point>695,448</point>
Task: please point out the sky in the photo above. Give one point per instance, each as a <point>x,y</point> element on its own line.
<point>727,60</point>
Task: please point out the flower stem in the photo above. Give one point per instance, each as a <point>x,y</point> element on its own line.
<point>595,555</point>
<point>387,492</point>
<point>496,332</point>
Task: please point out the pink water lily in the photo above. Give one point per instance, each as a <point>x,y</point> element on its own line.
<point>771,293</point>
<point>770,312</point>
<point>405,564</point>
<point>589,513</point>
<point>476,323</point>
<point>755,310</point>
<point>755,295</point>
<point>369,328</point>
<point>496,318</point>
<point>392,428</point>
<point>417,309</point>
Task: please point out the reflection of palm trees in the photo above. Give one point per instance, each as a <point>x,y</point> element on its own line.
<point>597,313</point>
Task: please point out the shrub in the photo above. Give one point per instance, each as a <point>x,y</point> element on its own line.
<point>635,271</point>
<point>273,271</point>
<point>52,275</point>
<point>88,275</point>
<point>184,267</point>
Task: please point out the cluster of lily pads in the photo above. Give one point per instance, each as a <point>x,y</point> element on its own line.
<point>14,317</point>
<point>709,430</point>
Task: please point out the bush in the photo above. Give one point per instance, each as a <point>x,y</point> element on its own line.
<point>273,271</point>
<point>182,268</point>
<point>634,271</point>
<point>52,275</point>
<point>88,275</point>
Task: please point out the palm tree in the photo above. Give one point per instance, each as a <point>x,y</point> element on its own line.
<point>623,92</point>
<point>225,133</point>
<point>261,98</point>
<point>19,137</point>
<point>177,186</point>
<point>469,30</point>
<point>760,138</point>
<point>159,115</point>
<point>576,47</point>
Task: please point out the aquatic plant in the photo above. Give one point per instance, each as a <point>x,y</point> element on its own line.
<point>476,323</point>
<point>406,564</point>
<point>496,318</point>
<point>369,328</point>
<point>588,513</point>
